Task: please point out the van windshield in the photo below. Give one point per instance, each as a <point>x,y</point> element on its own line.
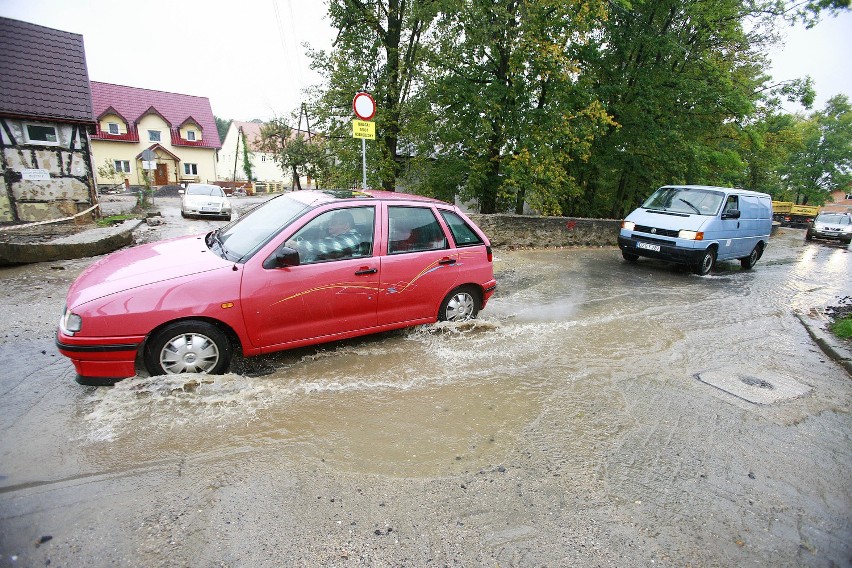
<point>688,200</point>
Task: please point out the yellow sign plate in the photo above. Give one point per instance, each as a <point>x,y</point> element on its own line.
<point>364,129</point>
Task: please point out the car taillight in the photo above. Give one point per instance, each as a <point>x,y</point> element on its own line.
<point>489,254</point>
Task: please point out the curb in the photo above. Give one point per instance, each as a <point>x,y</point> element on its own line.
<point>93,242</point>
<point>826,341</point>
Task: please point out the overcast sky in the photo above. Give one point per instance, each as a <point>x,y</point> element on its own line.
<point>247,56</point>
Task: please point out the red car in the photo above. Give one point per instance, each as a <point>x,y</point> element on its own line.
<point>304,268</point>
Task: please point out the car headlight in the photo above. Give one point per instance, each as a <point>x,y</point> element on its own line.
<point>71,323</point>
<point>628,225</point>
<point>691,235</point>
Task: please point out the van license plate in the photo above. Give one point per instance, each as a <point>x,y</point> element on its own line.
<point>646,246</point>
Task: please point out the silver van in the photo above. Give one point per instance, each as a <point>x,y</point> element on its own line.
<point>697,225</point>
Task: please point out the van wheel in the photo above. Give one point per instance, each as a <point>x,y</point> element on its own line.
<point>629,257</point>
<point>188,347</point>
<point>748,262</point>
<point>707,262</point>
<point>461,304</point>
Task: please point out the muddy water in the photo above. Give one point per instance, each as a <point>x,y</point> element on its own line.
<point>542,367</point>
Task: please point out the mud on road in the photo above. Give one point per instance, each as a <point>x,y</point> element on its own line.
<point>599,413</point>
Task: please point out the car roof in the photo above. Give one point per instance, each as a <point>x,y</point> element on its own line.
<point>725,189</point>
<point>324,196</point>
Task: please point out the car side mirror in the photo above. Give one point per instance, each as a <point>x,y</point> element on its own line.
<point>731,214</point>
<point>282,258</point>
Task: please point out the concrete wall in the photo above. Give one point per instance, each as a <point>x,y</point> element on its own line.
<point>518,231</point>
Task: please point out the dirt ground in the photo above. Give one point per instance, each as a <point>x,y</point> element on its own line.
<point>599,414</point>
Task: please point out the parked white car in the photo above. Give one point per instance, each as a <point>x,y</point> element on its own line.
<point>205,200</point>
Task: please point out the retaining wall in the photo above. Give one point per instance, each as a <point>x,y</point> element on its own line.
<point>533,231</point>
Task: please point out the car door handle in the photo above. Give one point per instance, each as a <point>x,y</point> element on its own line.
<point>365,270</point>
<point>447,261</point>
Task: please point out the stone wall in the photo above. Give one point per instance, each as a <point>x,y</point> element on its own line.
<point>520,231</point>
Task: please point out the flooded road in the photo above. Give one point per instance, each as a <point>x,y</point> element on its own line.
<point>598,412</point>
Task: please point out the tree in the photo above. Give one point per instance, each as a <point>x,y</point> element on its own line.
<point>679,77</point>
<point>222,126</point>
<point>293,151</point>
<point>504,115</point>
<point>823,163</point>
<point>377,49</point>
<point>246,157</point>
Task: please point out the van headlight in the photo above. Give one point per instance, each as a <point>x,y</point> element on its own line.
<point>691,235</point>
<point>70,323</point>
<point>628,225</point>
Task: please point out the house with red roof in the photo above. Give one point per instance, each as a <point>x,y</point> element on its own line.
<point>169,137</point>
<point>45,115</point>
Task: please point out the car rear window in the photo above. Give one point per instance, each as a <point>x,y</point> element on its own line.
<point>463,234</point>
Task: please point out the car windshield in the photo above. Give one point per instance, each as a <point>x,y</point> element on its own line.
<point>241,239</point>
<point>834,219</point>
<point>204,190</point>
<point>687,200</point>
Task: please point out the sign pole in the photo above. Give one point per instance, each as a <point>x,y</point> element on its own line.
<point>363,163</point>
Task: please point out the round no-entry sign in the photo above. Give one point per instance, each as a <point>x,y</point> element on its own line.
<point>364,106</point>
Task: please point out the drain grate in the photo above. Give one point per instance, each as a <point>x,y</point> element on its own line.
<point>754,387</point>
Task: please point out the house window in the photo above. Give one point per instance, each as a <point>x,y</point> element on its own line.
<point>113,128</point>
<point>154,135</point>
<point>41,133</point>
<point>190,169</point>
<point>122,166</point>
<point>848,196</point>
<point>190,135</point>
<point>263,157</point>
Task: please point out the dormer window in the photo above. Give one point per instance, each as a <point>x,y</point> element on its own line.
<point>190,135</point>
<point>112,127</point>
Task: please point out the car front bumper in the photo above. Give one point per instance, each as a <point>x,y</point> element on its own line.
<point>100,357</point>
<point>828,234</point>
<point>660,249</point>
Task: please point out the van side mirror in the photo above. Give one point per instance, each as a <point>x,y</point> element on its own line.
<point>731,214</point>
<point>282,258</point>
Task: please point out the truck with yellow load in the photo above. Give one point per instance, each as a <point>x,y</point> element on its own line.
<point>791,215</point>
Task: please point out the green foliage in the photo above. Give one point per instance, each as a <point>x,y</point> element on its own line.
<point>574,108</point>
<point>222,126</point>
<point>114,220</point>
<point>108,171</point>
<point>843,327</point>
<point>377,49</point>
<point>246,157</point>
<point>823,161</point>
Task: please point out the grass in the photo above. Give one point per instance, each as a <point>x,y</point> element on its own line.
<point>114,220</point>
<point>843,327</point>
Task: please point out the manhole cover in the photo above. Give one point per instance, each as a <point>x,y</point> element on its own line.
<point>757,388</point>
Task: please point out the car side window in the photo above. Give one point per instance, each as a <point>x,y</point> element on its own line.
<point>732,203</point>
<point>335,235</point>
<point>462,233</point>
<point>414,229</point>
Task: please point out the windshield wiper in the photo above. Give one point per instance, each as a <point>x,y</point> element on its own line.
<point>697,210</point>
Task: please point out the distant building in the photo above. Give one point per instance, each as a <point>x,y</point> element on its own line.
<point>45,114</point>
<point>263,166</point>
<point>179,131</point>
<point>841,201</point>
